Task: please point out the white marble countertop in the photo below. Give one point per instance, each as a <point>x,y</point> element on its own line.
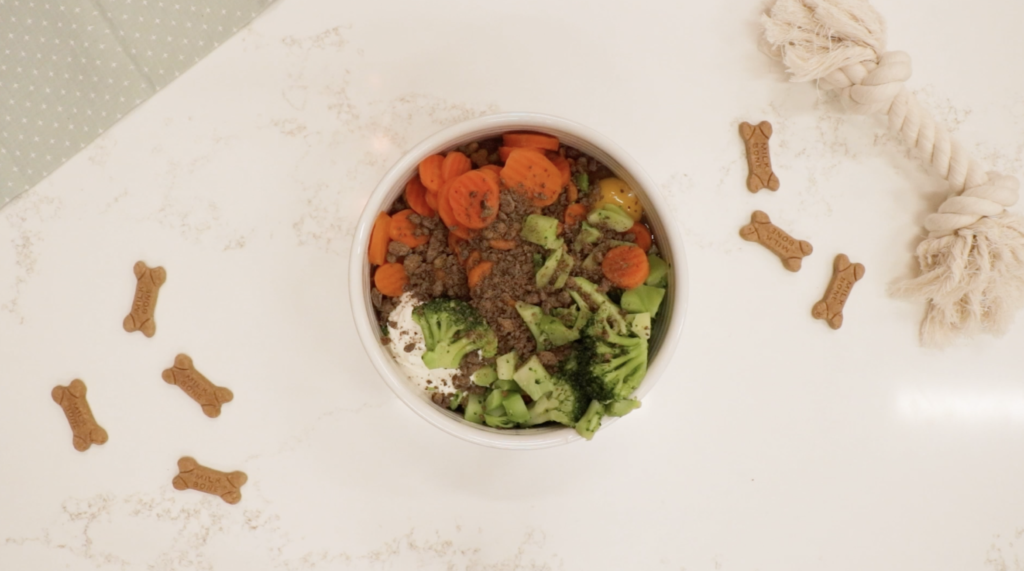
<point>775,443</point>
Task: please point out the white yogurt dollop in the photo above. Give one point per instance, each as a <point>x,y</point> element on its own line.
<point>406,333</point>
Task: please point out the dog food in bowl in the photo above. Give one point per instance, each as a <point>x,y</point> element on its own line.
<point>516,281</point>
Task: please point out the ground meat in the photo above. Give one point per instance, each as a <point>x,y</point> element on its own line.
<point>547,358</point>
<point>397,248</point>
<point>376,298</point>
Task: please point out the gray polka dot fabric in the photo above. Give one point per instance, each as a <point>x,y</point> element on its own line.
<point>69,69</point>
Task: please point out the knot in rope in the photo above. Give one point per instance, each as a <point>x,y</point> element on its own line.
<point>988,199</point>
<point>870,86</point>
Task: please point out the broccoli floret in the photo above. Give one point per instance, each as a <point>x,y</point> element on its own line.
<point>451,330</point>
<point>564,405</point>
<point>591,420</point>
<point>606,313</point>
<point>609,362</point>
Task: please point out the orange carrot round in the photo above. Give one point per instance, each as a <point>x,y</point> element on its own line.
<point>533,174</point>
<point>561,164</point>
<point>505,152</point>
<point>474,199</point>
<point>473,259</point>
<point>455,246</point>
<point>416,197</point>
<point>430,172</point>
<point>493,174</point>
<point>572,194</point>
<point>535,140</point>
<point>478,272</point>
<point>444,209</point>
<point>574,214</point>
<point>454,165</point>
<point>404,231</point>
<point>498,244</point>
<point>391,279</point>
<point>491,168</point>
<point>641,236</point>
<point>431,198</point>
<point>625,266</point>
<point>379,238</point>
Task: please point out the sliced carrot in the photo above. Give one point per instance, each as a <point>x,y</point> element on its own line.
<point>535,140</point>
<point>431,199</point>
<point>454,165</point>
<point>474,199</point>
<point>532,173</point>
<point>641,236</point>
<point>561,164</point>
<point>455,245</point>
<point>416,197</point>
<point>473,259</point>
<point>404,231</point>
<point>391,279</point>
<point>574,214</point>
<point>444,208</point>
<point>625,266</point>
<point>572,194</point>
<point>379,238</point>
<point>504,152</point>
<point>502,244</point>
<point>491,168</point>
<point>430,172</point>
<point>493,174</point>
<point>479,272</point>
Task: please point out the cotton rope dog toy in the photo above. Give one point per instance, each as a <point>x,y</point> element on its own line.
<point>972,262</point>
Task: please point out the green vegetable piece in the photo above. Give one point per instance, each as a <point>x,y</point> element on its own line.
<point>507,365</point>
<point>546,274</point>
<point>591,420</point>
<point>643,299</point>
<point>541,230</point>
<point>456,400</point>
<point>556,333</point>
<point>621,407</point>
<point>547,331</point>
<point>659,271</point>
<point>474,409</point>
<point>640,323</point>
<point>506,385</point>
<point>588,235</point>
<point>451,330</point>
<point>538,262</point>
<point>493,400</point>
<point>485,376</point>
<point>582,181</point>
<point>611,217</point>
<point>564,405</point>
<point>534,379</point>
<point>516,407</point>
<point>499,421</point>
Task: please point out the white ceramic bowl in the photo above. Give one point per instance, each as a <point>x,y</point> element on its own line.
<point>668,327</point>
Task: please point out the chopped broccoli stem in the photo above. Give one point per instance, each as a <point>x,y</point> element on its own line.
<point>456,400</point>
<point>485,376</point>
<point>499,421</point>
<point>507,365</point>
<point>534,379</point>
<point>621,407</point>
<point>507,385</point>
<point>582,181</point>
<point>515,407</point>
<point>474,409</point>
<point>658,276</point>
<point>564,405</point>
<point>643,299</point>
<point>591,420</point>
<point>494,399</point>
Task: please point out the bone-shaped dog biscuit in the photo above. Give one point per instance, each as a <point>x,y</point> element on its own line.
<point>84,427</point>
<point>786,247</point>
<point>194,476</point>
<point>187,378</point>
<point>759,160</point>
<point>147,288</point>
<point>844,275</point>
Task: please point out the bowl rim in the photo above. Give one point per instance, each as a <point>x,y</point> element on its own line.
<point>383,362</point>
